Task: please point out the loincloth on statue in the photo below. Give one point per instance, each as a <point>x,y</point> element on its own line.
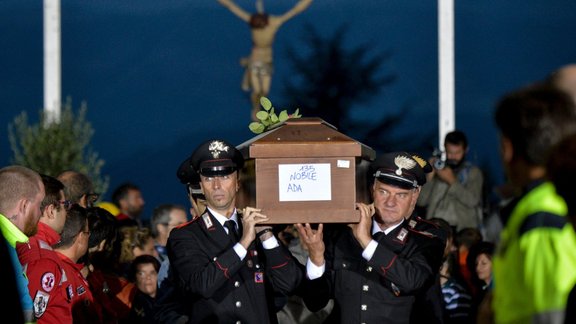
<point>260,68</point>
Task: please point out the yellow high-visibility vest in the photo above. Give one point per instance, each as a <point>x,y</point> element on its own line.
<point>535,263</point>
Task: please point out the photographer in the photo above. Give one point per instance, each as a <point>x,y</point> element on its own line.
<point>454,189</point>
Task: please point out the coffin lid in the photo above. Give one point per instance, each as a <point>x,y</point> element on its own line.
<point>304,137</point>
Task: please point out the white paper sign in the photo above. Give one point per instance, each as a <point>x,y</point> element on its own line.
<point>304,182</point>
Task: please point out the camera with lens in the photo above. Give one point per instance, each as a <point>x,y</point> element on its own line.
<point>439,159</point>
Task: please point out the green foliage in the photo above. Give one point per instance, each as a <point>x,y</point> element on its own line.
<point>267,118</point>
<point>51,148</point>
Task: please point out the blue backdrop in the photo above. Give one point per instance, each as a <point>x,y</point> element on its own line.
<point>159,77</point>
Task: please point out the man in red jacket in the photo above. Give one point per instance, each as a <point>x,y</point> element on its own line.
<point>75,288</point>
<point>55,282</point>
<point>54,211</point>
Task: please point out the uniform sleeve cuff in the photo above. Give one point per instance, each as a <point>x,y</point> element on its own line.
<point>313,271</point>
<point>368,252</point>
<point>240,250</point>
<point>270,243</point>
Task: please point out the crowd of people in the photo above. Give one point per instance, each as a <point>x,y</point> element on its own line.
<point>421,251</point>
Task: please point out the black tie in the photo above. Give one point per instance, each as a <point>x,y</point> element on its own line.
<point>231,226</point>
<point>378,235</point>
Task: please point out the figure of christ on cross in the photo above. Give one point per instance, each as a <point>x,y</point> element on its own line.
<point>258,65</point>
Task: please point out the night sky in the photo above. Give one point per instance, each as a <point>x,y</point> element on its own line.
<point>159,77</point>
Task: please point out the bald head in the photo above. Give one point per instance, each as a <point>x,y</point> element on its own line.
<point>76,186</point>
<point>17,182</point>
<point>565,79</point>
<point>21,193</point>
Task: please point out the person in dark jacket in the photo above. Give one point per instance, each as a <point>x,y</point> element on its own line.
<point>144,273</point>
<point>227,266</point>
<point>375,269</point>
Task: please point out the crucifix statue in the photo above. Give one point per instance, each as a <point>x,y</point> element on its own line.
<point>258,65</point>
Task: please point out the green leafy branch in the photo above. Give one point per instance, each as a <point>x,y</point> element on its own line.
<point>267,118</point>
<point>51,148</point>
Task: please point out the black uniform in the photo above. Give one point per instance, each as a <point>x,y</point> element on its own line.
<point>429,306</point>
<point>217,286</point>
<point>382,290</point>
<point>142,310</point>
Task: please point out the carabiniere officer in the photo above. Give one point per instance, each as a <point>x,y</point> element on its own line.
<point>216,258</point>
<point>375,269</point>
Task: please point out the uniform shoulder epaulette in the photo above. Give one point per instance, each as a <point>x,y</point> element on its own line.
<point>424,233</point>
<point>419,226</point>
<point>187,223</point>
<point>424,222</point>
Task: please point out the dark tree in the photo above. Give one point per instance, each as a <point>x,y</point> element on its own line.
<point>330,78</point>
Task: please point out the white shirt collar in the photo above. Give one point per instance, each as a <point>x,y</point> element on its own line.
<point>376,228</point>
<point>221,218</point>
